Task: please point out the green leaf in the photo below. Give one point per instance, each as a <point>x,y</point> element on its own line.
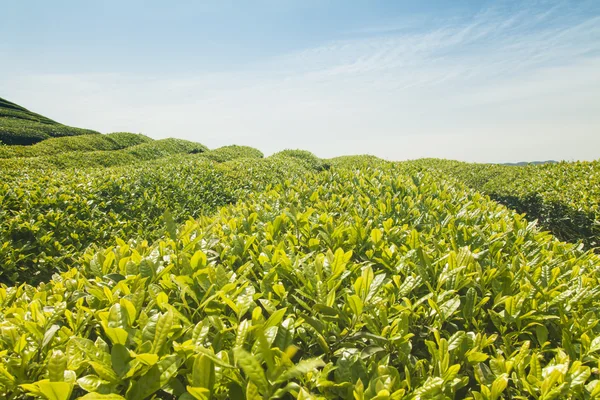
<point>168,367</point>
<point>156,377</point>
<point>163,327</point>
<point>252,392</point>
<point>198,260</point>
<point>54,390</point>
<point>203,373</point>
<point>49,335</point>
<point>498,386</point>
<point>99,396</point>
<point>541,333</point>
<point>147,358</point>
<point>469,306</point>
<point>578,374</point>
<point>535,369</point>
<point>275,318</point>
<point>117,317</point>
<point>376,235</point>
<point>252,369</point>
<point>57,364</point>
<point>198,393</point>
<point>300,369</point>
<point>355,303</point>
<point>6,377</point>
<point>146,385</point>
<point>90,383</point>
<point>476,357</point>
<point>120,358</point>
<point>117,335</point>
<point>104,371</point>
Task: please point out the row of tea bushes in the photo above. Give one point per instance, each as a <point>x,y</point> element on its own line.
<point>365,283</point>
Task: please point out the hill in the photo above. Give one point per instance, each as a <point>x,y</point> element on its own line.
<point>83,143</point>
<point>19,126</point>
<point>147,150</point>
<point>286,277</point>
<point>133,268</point>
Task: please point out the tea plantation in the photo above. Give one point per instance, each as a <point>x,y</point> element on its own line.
<point>19,126</point>
<point>564,197</point>
<point>134,268</point>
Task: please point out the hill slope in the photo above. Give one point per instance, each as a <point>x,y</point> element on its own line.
<point>19,126</point>
<point>83,143</point>
<point>357,278</point>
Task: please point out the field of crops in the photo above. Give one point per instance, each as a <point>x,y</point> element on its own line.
<point>563,197</point>
<point>133,268</point>
<point>351,278</point>
<point>19,126</point>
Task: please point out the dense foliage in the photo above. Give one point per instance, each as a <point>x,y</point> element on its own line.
<point>306,157</point>
<point>369,282</point>
<point>233,152</point>
<point>9,109</point>
<point>49,219</point>
<point>19,126</point>
<point>563,197</point>
<point>87,143</point>
<point>148,150</point>
<point>139,269</point>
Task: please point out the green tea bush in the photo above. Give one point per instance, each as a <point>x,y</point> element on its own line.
<point>310,160</point>
<point>563,197</point>
<point>22,132</point>
<point>50,217</point>
<point>228,153</point>
<point>147,150</point>
<point>19,126</point>
<point>112,141</point>
<point>368,283</point>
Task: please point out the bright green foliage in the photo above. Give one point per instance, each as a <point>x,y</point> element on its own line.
<point>361,162</point>
<point>87,143</point>
<point>309,159</point>
<point>150,150</point>
<point>19,126</point>
<point>9,109</point>
<point>233,152</point>
<point>563,197</point>
<point>49,219</point>
<point>364,283</point>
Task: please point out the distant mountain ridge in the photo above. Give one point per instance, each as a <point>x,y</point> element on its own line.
<point>524,163</point>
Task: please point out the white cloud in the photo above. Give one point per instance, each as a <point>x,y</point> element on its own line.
<point>501,87</point>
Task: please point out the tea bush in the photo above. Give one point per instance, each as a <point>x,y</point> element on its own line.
<point>149,150</point>
<point>112,141</point>
<point>228,153</point>
<point>50,217</point>
<point>563,197</point>
<point>366,283</point>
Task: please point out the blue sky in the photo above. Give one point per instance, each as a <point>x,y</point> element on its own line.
<point>469,80</point>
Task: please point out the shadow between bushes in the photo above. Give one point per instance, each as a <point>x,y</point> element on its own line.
<point>566,223</point>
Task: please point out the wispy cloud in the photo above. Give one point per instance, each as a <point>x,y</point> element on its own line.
<point>497,87</point>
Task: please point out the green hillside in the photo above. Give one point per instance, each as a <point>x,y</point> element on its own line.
<point>19,126</point>
<point>147,150</point>
<point>286,277</point>
<point>48,147</point>
<point>133,268</point>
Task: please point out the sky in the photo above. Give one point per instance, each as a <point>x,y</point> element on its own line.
<point>484,81</point>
